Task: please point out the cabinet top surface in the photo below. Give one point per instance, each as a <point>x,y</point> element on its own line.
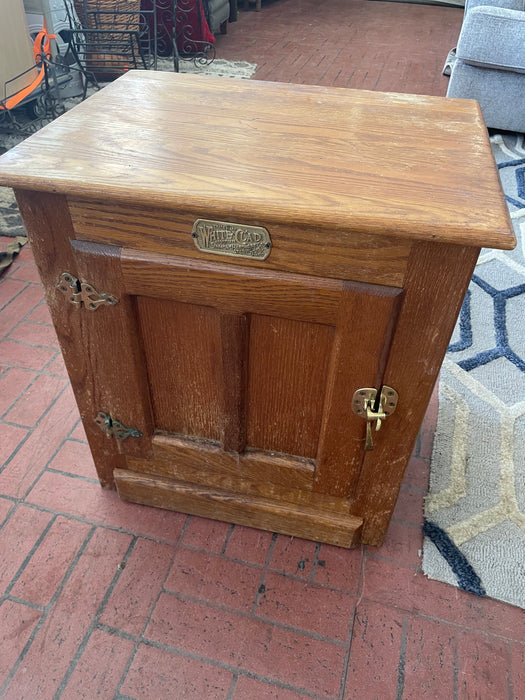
<point>257,152</point>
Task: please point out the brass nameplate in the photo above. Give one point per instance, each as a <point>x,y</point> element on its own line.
<point>225,238</point>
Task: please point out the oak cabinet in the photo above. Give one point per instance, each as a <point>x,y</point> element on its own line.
<point>254,286</point>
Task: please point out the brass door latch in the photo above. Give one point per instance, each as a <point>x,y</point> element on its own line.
<point>373,408</point>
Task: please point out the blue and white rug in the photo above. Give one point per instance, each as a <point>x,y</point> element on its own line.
<point>475,510</point>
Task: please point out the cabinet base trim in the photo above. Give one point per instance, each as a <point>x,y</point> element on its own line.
<point>260,513</point>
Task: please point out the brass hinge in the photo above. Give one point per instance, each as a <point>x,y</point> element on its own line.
<point>373,408</point>
<point>80,293</point>
<point>114,428</point>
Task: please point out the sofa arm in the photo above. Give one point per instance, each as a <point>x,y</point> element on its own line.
<point>493,38</point>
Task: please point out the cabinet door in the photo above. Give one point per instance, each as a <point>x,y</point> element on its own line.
<point>243,379</point>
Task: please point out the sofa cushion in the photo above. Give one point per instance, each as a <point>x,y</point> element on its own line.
<point>493,37</point>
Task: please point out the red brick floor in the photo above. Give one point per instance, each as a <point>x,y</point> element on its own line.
<point>390,46</point>
<point>99,598</point>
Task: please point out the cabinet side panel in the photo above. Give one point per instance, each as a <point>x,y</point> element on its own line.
<point>183,356</point>
<point>288,370</point>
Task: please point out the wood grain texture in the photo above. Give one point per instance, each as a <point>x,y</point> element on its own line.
<point>118,384</point>
<point>288,369</point>
<point>266,514</point>
<point>234,353</point>
<point>183,356</point>
<point>252,472</point>
<point>387,164</point>
<point>49,229</point>
<point>363,334</point>
<point>258,466</point>
<point>331,253</point>
<point>435,287</point>
<point>230,288</point>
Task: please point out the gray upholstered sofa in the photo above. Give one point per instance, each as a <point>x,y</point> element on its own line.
<point>490,61</point>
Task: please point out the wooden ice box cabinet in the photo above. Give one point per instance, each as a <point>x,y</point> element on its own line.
<point>254,286</point>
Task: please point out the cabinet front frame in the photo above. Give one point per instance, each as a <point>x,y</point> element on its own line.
<point>434,284</point>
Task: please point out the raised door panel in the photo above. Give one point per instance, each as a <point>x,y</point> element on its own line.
<point>248,381</point>
<point>182,349</point>
<point>288,369</point>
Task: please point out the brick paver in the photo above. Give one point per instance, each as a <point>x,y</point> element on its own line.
<point>163,675</point>
<point>430,660</point>
<point>376,659</point>
<point>483,666</point>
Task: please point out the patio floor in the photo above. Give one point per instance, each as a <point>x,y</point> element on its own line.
<point>103,599</point>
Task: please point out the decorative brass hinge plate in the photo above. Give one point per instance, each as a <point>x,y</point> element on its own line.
<point>114,428</point>
<point>80,293</point>
<point>237,240</point>
<point>372,408</point>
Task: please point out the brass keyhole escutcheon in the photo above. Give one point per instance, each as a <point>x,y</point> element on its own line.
<point>374,409</point>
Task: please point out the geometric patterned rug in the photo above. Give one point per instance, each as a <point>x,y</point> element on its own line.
<point>475,510</point>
